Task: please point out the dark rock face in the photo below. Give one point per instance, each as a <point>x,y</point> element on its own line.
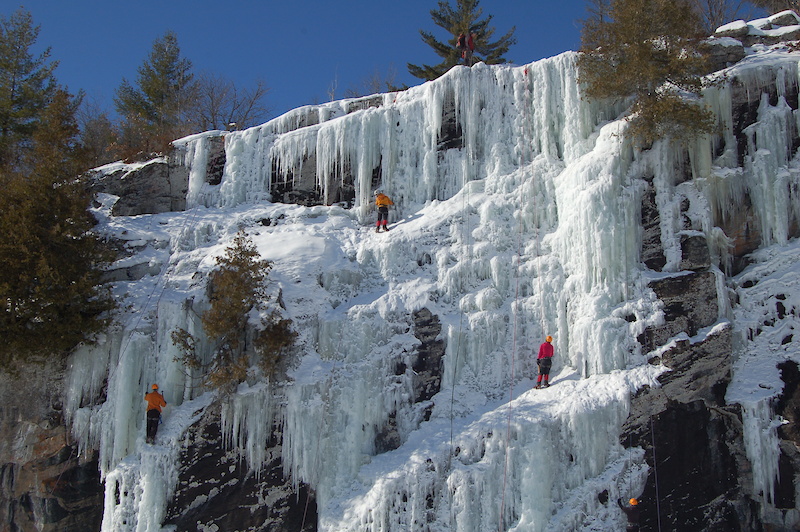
<point>428,365</point>
<point>302,187</point>
<point>216,160</point>
<point>693,444</point>
<point>690,303</point>
<point>365,103</point>
<point>725,54</point>
<point>652,249</point>
<point>451,134</point>
<point>216,492</point>
<point>427,375</point>
<point>788,407</point>
<point>298,187</point>
<point>694,253</point>
<point>154,188</point>
<point>45,485</point>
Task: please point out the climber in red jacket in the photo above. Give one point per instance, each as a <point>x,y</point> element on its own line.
<point>470,49</point>
<point>544,361</point>
<point>466,46</point>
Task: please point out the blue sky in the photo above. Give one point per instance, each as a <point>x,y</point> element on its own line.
<point>301,49</point>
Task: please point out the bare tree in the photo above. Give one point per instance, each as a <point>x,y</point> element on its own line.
<point>332,87</point>
<point>774,6</point>
<point>221,104</point>
<point>98,134</point>
<point>598,9</point>
<point>374,83</point>
<point>715,13</point>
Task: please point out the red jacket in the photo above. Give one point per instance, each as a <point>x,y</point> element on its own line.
<point>545,350</point>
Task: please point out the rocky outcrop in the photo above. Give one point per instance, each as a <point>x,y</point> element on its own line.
<point>154,187</point>
<point>652,251</point>
<point>45,485</point>
<point>780,27</point>
<point>690,303</point>
<point>427,375</point>
<point>158,185</point>
<point>217,491</point>
<point>699,475</point>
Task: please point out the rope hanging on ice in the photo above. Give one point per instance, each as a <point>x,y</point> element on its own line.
<point>162,275</point>
<point>319,432</point>
<point>527,139</point>
<point>465,234</point>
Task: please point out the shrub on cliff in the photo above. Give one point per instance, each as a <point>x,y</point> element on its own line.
<point>237,293</point>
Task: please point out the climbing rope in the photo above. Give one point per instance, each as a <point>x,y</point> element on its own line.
<point>655,473</point>
<point>526,105</point>
<point>190,220</point>
<point>319,432</point>
<point>465,244</point>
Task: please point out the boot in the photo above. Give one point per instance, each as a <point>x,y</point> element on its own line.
<point>378,229</point>
<point>385,227</point>
<point>546,384</point>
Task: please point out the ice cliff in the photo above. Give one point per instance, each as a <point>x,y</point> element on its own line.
<point>519,212</point>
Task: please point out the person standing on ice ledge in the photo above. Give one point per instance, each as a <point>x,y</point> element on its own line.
<point>155,402</point>
<point>466,47</point>
<point>470,49</point>
<point>461,44</point>
<point>382,201</point>
<point>544,361</point>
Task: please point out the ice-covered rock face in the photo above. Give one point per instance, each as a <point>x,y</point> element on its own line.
<point>527,221</point>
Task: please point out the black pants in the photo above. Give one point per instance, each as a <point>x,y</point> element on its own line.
<point>544,369</point>
<point>153,417</point>
<point>544,366</point>
<point>383,215</point>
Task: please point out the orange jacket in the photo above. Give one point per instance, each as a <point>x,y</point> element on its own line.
<point>382,200</point>
<point>155,401</point>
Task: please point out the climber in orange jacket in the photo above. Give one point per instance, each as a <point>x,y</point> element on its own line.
<point>155,402</point>
<point>382,201</point>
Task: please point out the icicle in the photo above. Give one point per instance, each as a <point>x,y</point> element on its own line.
<point>761,444</point>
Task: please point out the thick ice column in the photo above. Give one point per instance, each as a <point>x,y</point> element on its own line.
<point>247,421</point>
<point>761,445</point>
<point>770,179</point>
<point>597,243</point>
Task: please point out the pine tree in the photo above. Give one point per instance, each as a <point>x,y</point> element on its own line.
<point>156,109</point>
<point>465,18</point>
<point>651,51</point>
<point>237,288</point>
<point>27,85</point>
<point>50,261</point>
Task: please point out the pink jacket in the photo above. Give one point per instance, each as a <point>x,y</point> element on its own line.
<point>545,350</point>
